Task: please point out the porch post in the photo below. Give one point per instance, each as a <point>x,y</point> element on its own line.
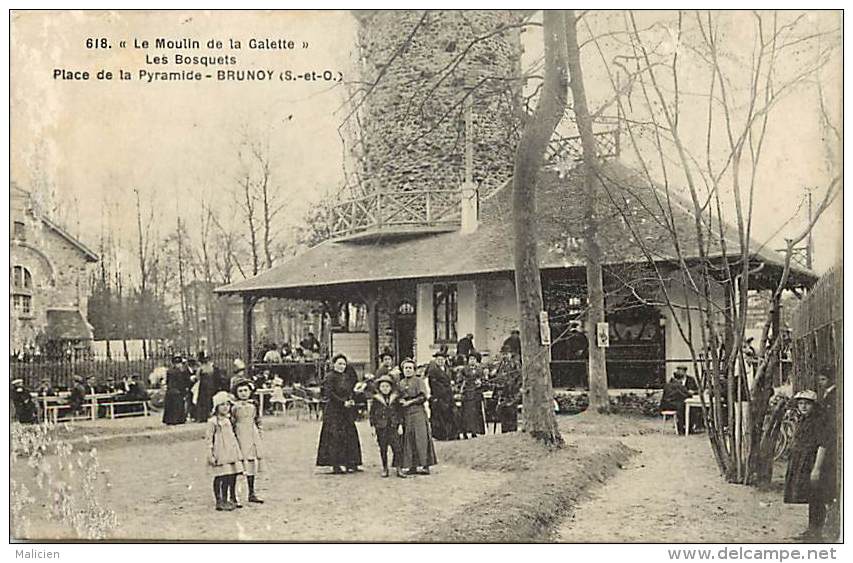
<point>372,303</point>
<point>248,329</point>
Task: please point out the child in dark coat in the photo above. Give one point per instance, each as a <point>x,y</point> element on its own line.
<point>798,486</point>
<point>386,419</point>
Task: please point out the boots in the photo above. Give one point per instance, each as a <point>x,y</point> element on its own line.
<point>384,472</point>
<point>400,473</point>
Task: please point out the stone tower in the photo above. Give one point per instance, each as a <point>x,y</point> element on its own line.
<point>413,128</point>
<point>431,71</point>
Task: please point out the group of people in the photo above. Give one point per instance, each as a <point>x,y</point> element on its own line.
<point>29,405</point>
<point>190,386</point>
<point>409,406</point>
<point>307,350</point>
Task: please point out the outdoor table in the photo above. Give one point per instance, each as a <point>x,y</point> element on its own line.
<point>688,403</point>
<point>261,393</point>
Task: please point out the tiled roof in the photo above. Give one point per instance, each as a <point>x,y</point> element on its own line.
<point>560,207</point>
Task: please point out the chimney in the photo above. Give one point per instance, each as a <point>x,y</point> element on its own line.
<point>470,201</point>
<point>470,208</point>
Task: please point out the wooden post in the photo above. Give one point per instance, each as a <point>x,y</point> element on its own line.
<point>372,303</point>
<point>248,330</point>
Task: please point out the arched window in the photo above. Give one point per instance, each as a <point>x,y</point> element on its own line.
<point>21,278</point>
<point>22,289</point>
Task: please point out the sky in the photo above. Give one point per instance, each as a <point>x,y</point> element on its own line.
<point>178,143</point>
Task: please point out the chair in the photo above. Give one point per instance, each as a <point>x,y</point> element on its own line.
<point>670,413</point>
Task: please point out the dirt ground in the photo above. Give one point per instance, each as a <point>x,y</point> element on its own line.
<point>672,493</point>
<point>669,492</point>
<point>163,492</point>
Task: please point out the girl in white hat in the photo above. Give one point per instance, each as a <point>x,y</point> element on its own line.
<point>224,457</point>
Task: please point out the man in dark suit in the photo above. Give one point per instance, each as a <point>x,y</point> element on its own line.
<point>674,395</point>
<point>465,345</point>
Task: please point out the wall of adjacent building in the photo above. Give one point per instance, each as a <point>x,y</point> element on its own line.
<point>60,274</point>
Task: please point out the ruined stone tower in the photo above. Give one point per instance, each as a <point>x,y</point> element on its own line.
<point>424,74</point>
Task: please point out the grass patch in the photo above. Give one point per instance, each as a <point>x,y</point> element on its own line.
<point>544,483</point>
<point>510,452</point>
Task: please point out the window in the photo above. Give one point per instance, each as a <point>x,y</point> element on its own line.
<point>21,278</point>
<point>444,307</point>
<point>23,304</point>
<point>19,231</point>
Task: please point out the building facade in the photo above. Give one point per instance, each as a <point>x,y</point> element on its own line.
<point>49,282</point>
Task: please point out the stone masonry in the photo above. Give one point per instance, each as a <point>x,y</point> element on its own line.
<point>413,123</point>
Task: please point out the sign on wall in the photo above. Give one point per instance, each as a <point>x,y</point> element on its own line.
<point>602,335</point>
<point>544,329</point>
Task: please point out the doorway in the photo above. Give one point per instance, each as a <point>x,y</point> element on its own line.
<point>404,327</point>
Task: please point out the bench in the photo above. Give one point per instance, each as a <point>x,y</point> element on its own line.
<point>113,404</point>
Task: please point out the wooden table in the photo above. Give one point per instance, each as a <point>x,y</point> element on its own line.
<point>694,402</point>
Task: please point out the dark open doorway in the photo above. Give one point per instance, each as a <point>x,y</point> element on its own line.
<point>405,336</point>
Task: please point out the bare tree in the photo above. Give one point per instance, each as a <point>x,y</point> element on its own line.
<point>599,400</point>
<point>740,99</point>
<point>539,420</point>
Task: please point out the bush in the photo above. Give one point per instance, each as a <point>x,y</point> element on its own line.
<point>624,403</point>
<point>65,482</point>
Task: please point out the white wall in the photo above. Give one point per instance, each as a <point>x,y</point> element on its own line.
<point>676,346</point>
<point>498,309</point>
<point>468,318</point>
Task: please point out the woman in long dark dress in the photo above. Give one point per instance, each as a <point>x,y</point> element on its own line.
<point>177,386</point>
<point>472,397</point>
<point>339,446</point>
<point>418,449</point>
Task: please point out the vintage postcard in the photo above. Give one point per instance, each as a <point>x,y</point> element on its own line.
<point>426,276</point>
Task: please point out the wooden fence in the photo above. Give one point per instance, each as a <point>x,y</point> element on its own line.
<point>817,339</point>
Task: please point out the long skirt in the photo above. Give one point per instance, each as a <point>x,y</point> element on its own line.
<point>175,408</point>
<point>339,444</point>
<point>798,476</point>
<point>442,420</point>
<point>418,449</point>
<point>472,416</point>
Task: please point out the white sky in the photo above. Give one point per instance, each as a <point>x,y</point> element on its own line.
<point>178,142</point>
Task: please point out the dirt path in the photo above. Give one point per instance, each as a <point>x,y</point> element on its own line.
<point>672,493</point>
<point>163,492</point>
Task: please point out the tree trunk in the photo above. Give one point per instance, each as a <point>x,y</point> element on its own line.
<point>539,419</point>
<point>598,398</point>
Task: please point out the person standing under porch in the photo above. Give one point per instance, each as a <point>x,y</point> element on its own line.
<point>473,422</point>
<point>441,398</point>
<point>418,449</point>
<point>465,346</point>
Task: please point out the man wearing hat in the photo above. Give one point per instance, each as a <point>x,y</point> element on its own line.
<point>674,395</point>
<point>177,387</point>
<point>465,345</point>
<point>207,387</point>
<point>441,399</point>
<point>77,396</point>
<point>386,365</point>
<point>25,408</point>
